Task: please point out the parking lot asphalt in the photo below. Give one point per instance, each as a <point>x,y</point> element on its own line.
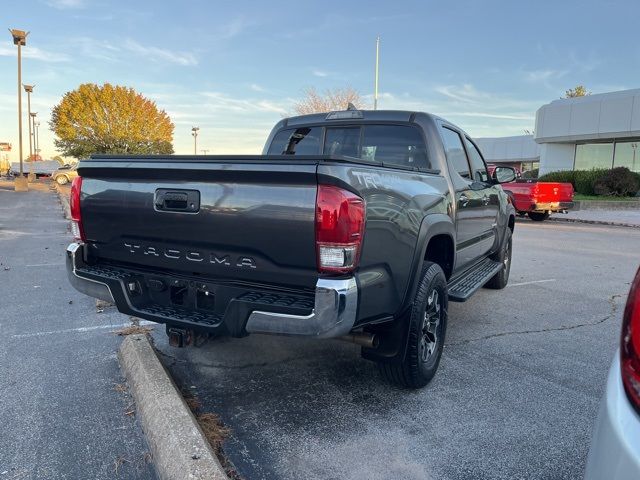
<point>516,395</point>
<point>62,415</point>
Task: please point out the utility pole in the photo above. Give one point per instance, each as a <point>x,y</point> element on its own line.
<point>36,139</point>
<point>194,132</point>
<point>29,90</point>
<point>20,39</point>
<point>204,152</point>
<point>375,92</point>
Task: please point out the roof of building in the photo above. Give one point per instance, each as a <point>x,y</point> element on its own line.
<point>592,117</point>
<point>521,148</point>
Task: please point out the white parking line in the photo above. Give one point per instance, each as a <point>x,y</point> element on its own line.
<point>79,330</point>
<point>45,265</point>
<point>531,283</point>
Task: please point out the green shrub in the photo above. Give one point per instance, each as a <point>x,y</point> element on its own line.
<point>567,176</point>
<point>586,179</point>
<point>582,180</point>
<point>530,173</point>
<point>619,182</point>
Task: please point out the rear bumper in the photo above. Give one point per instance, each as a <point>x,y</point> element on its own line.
<point>615,448</point>
<point>331,312</point>
<point>552,206</point>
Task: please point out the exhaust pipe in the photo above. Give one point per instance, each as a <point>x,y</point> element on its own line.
<point>364,339</point>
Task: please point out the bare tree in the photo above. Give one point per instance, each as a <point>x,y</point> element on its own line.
<point>331,100</point>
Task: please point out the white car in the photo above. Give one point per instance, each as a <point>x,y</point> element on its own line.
<point>615,448</point>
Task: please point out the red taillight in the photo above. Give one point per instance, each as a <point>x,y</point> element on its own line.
<point>630,345</point>
<point>76,214</point>
<point>339,229</point>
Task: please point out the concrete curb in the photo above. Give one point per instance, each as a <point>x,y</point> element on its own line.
<point>64,201</point>
<point>607,205</point>
<point>594,222</point>
<point>180,449</point>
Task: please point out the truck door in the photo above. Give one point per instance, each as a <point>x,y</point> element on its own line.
<point>488,191</point>
<point>474,230</point>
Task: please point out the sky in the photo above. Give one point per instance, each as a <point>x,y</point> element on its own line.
<point>234,68</point>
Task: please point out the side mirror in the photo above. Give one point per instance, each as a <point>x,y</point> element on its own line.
<point>504,174</point>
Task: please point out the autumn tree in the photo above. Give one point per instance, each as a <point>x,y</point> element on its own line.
<point>329,101</point>
<point>109,119</point>
<point>578,91</point>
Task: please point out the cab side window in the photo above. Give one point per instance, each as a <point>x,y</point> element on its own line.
<point>478,168</point>
<point>456,155</point>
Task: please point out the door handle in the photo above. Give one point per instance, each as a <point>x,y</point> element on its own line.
<point>172,200</point>
<point>464,200</point>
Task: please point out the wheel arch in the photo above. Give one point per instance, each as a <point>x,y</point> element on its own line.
<point>436,230</point>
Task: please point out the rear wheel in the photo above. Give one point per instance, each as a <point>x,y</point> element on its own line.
<point>427,324</point>
<point>538,216</point>
<point>62,180</point>
<point>500,279</point>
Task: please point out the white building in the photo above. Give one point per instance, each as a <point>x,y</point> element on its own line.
<point>595,131</point>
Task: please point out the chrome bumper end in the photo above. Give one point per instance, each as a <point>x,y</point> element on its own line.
<point>334,313</point>
<point>75,260</point>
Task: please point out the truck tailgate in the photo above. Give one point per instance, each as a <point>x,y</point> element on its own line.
<point>549,192</point>
<point>217,218</point>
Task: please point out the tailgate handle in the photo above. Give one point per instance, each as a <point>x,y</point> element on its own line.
<point>177,200</point>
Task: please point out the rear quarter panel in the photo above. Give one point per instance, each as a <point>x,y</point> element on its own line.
<point>396,203</point>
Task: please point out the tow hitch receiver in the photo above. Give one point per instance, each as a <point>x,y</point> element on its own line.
<point>179,337</point>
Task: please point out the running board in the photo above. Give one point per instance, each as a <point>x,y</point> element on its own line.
<point>461,288</point>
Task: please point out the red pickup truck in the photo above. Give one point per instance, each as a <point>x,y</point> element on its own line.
<point>538,199</point>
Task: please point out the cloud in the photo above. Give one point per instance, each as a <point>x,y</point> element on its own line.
<point>319,73</point>
<point>66,4</point>
<point>35,53</point>
<point>98,49</point>
<point>160,54</point>
<point>465,93</point>
<point>256,88</point>
<point>234,28</point>
<point>481,113</point>
<point>543,76</point>
<point>493,115</point>
<point>217,101</point>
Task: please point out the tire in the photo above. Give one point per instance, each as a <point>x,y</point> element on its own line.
<point>427,324</point>
<point>62,180</point>
<point>500,279</point>
<point>538,216</point>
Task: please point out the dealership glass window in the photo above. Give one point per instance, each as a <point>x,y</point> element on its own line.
<point>627,155</point>
<point>299,141</point>
<point>455,152</point>
<point>593,155</point>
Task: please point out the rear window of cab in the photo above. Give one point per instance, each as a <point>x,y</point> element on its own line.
<point>387,145</point>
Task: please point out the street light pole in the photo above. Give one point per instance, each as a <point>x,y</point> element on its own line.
<point>20,39</point>
<point>375,89</point>
<point>194,132</point>
<point>36,139</point>
<point>29,90</point>
<point>204,152</point>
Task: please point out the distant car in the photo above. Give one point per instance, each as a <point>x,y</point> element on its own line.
<point>537,199</point>
<point>65,174</point>
<point>615,448</point>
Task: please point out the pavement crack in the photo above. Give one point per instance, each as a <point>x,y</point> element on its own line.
<point>611,313</point>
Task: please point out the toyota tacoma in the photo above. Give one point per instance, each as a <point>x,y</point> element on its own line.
<point>358,225</point>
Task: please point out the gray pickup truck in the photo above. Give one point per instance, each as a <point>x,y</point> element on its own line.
<point>358,225</point>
